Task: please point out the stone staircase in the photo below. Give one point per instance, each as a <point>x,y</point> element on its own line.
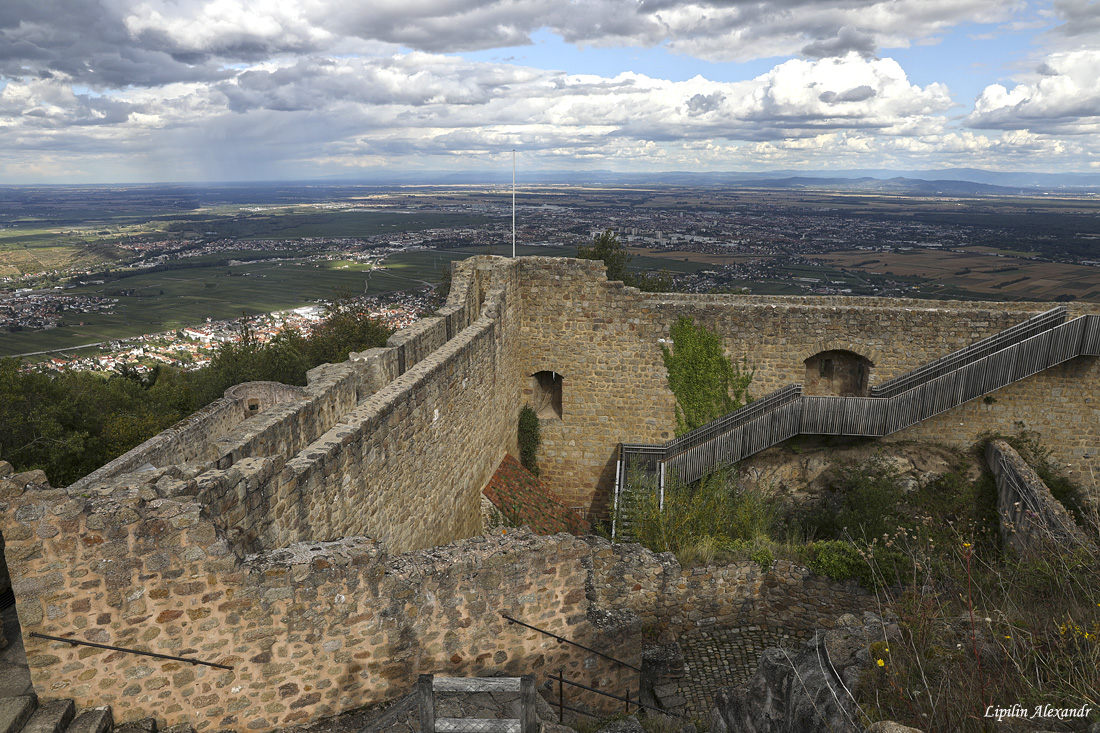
<point>24,714</point>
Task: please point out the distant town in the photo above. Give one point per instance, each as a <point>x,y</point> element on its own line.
<point>389,248</point>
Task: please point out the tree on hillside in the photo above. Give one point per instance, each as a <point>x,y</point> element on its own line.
<point>608,248</point>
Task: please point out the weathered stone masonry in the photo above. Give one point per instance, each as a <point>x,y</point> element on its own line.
<point>318,628</point>
<point>605,340</point>
<point>262,532</point>
<point>425,421</point>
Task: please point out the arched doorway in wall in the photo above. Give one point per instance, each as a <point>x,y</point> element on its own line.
<point>838,373</point>
<point>544,392</point>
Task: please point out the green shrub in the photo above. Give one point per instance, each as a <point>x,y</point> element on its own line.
<point>763,557</point>
<point>863,501</point>
<point>706,384</point>
<point>529,439</point>
<point>836,559</point>
<point>701,521</point>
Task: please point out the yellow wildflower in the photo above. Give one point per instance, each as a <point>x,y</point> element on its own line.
<point>881,663</point>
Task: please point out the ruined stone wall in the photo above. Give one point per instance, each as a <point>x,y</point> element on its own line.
<point>1032,520</point>
<point>407,466</point>
<point>310,630</point>
<point>317,628</point>
<point>665,595</point>
<point>605,339</point>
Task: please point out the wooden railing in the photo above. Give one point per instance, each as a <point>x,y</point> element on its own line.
<point>1038,343</point>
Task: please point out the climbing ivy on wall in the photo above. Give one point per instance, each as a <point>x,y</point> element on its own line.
<point>706,384</point>
<point>529,439</point>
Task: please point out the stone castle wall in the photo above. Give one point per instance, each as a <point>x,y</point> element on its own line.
<point>175,547</point>
<point>318,628</point>
<point>347,454</point>
<point>605,339</point>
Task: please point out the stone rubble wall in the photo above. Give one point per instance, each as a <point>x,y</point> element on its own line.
<point>1032,520</point>
<point>310,630</point>
<point>605,339</point>
<point>317,628</point>
<point>364,430</point>
<point>666,596</point>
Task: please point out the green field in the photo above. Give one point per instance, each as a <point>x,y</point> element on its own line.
<point>294,224</point>
<point>161,301</point>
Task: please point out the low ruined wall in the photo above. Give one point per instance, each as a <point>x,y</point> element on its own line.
<point>321,627</point>
<point>310,630</point>
<point>1032,520</point>
<point>667,596</point>
<point>185,442</point>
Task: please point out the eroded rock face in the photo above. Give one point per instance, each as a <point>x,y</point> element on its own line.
<point>799,472</point>
<point>804,691</point>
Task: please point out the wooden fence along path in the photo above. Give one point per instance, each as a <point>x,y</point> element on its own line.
<point>1038,343</point>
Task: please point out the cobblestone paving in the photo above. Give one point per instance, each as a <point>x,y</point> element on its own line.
<point>719,658</point>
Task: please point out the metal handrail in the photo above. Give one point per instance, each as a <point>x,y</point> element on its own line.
<point>563,640</point>
<point>627,699</point>
<point>1017,352</point>
<point>128,651</point>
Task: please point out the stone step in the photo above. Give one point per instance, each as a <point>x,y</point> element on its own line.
<point>51,717</point>
<point>145,725</point>
<point>93,720</point>
<point>15,711</point>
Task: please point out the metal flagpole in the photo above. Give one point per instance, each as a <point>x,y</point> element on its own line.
<point>513,203</point>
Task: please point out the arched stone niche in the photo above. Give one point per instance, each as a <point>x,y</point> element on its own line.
<point>252,398</point>
<point>837,373</point>
<point>544,392</point>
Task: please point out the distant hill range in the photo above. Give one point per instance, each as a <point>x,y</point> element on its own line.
<point>949,181</point>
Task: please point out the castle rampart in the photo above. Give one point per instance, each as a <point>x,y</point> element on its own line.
<point>424,421</point>
<point>262,532</point>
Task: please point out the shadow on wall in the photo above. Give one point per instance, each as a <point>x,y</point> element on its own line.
<point>837,373</point>
<point>544,392</point>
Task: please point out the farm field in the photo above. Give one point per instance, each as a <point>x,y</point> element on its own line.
<point>1000,277</point>
<point>163,301</point>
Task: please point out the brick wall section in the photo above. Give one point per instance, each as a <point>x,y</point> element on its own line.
<point>605,339</point>
<point>523,500</point>
<point>317,628</point>
<point>1031,518</point>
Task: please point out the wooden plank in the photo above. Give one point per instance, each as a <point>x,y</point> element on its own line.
<point>529,723</point>
<point>1090,345</point>
<point>427,703</point>
<point>477,725</point>
<point>476,684</point>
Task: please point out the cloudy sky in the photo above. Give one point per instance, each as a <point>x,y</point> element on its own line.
<point>214,90</point>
